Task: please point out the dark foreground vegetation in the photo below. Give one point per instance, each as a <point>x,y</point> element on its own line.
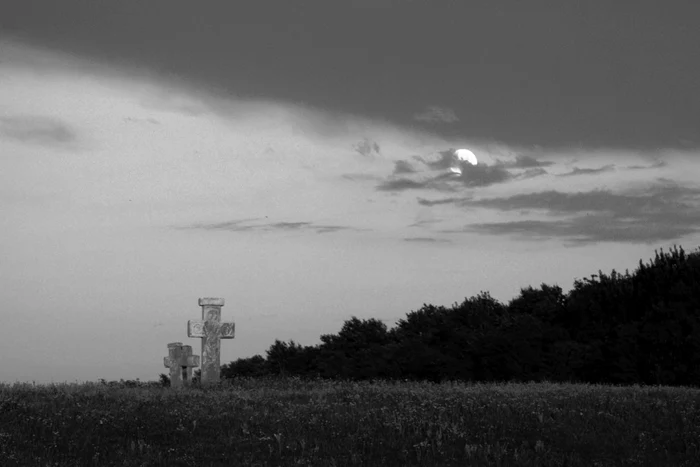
<point>292,422</point>
<point>535,382</point>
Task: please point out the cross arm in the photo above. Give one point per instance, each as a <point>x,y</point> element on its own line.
<point>195,328</point>
<point>189,360</point>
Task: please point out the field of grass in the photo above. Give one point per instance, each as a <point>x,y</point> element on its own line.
<point>289,422</point>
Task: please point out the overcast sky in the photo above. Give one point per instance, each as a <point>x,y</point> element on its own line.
<point>294,158</point>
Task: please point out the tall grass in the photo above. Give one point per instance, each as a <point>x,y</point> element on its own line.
<point>280,422</point>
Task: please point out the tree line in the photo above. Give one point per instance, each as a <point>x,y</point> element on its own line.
<point>640,328</point>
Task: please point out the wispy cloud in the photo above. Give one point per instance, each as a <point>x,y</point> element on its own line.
<point>246,225</point>
<point>662,212</point>
<point>531,173</point>
<point>523,161</point>
<point>426,202</point>
<point>367,148</point>
<point>234,226</point>
<point>659,197</point>
<point>360,176</point>
<point>150,120</point>
<point>577,171</point>
<point>655,165</point>
<point>36,129</point>
<point>289,225</point>
<point>595,228</point>
<point>426,240</point>
<point>401,184</point>
<point>436,114</point>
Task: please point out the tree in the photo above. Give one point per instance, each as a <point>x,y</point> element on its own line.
<point>548,303</point>
<point>359,351</point>
<point>253,367</point>
<point>281,357</point>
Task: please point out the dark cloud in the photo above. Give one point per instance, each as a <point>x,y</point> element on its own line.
<point>530,229</point>
<point>518,100</point>
<point>426,202</point>
<point>578,171</point>
<point>532,173</point>
<point>401,184</point>
<point>662,212</point>
<point>289,225</point>
<point>447,159</point>
<point>329,228</point>
<point>367,148</point>
<point>596,228</point>
<point>557,202</point>
<point>472,176</point>
<point>37,129</point>
<point>483,175</point>
<point>529,161</point>
<point>402,167</point>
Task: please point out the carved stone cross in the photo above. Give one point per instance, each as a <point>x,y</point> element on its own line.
<point>211,330</point>
<point>180,361</point>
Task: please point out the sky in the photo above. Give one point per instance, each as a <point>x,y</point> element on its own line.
<point>294,159</point>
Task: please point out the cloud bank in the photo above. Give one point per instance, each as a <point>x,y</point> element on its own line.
<point>200,159</point>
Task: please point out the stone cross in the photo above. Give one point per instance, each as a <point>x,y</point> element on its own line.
<point>211,330</point>
<point>180,361</point>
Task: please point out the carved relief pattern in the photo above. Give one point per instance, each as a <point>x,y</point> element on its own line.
<point>196,329</point>
<point>226,330</point>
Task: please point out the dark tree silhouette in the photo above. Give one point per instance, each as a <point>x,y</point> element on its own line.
<point>359,351</point>
<point>639,328</point>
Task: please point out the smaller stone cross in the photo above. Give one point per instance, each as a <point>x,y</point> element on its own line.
<point>180,361</point>
<point>211,330</point>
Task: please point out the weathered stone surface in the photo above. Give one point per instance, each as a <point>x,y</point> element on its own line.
<point>180,361</point>
<point>211,330</point>
<point>211,301</point>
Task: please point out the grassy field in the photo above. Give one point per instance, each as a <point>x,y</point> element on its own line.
<point>316,423</point>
